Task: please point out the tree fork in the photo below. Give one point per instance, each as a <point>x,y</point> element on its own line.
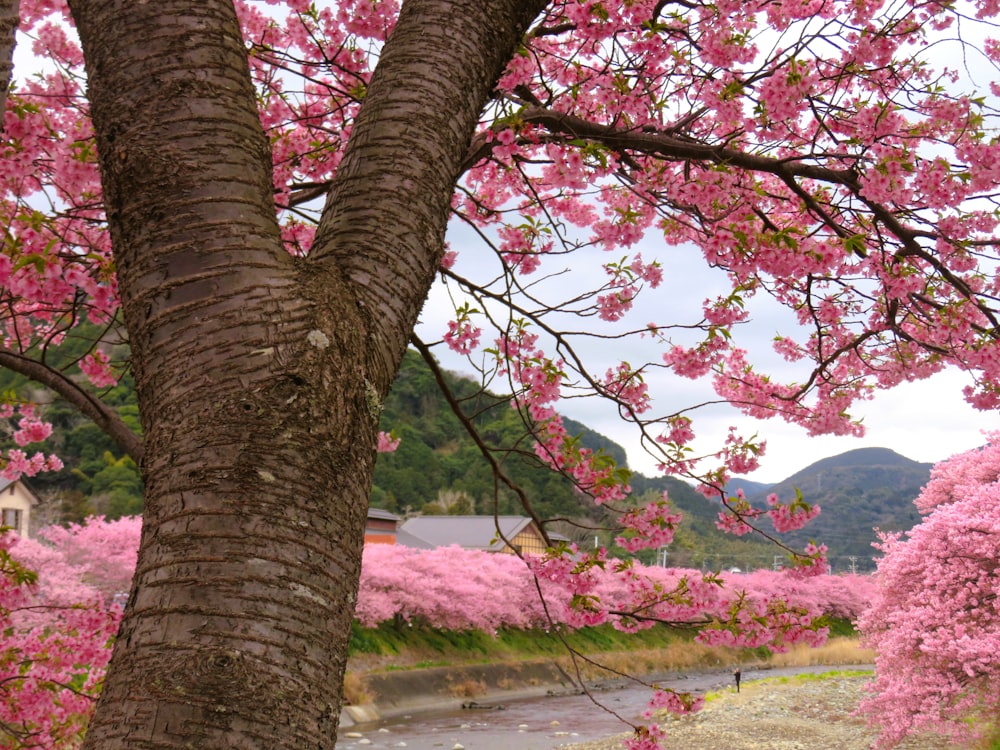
<point>260,375</point>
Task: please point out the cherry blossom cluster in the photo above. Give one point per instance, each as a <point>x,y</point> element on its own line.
<point>790,517</point>
<point>387,443</point>
<point>935,619</point>
<point>738,511</point>
<point>812,561</point>
<point>771,623</point>
<point>462,336</point>
<point>650,526</point>
<point>96,366</point>
<point>57,603</point>
<point>740,517</point>
<point>625,284</point>
<point>30,429</point>
<point>569,581</point>
<point>627,387</point>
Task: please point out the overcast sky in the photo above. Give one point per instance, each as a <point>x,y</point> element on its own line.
<point>926,421</point>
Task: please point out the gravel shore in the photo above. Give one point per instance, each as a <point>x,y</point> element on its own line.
<point>772,715</point>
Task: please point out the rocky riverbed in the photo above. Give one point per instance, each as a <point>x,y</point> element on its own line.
<point>776,715</point>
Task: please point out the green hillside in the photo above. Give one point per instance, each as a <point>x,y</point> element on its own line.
<point>97,477</point>
<point>438,468</point>
<point>858,491</point>
<point>437,456</point>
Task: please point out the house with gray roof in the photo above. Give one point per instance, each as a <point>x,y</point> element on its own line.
<point>381,527</point>
<point>489,533</point>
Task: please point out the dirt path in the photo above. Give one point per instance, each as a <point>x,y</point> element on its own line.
<point>794,715</point>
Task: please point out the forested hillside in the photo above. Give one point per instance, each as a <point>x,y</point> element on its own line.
<point>439,469</point>
<point>97,477</point>
<point>859,491</point>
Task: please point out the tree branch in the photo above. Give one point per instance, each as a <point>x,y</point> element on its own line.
<point>670,146</point>
<point>92,407</point>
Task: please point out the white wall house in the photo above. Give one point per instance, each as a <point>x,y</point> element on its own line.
<point>16,502</point>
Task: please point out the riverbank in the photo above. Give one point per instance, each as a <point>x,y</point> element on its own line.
<point>416,691</point>
<point>792,714</point>
<point>377,690</point>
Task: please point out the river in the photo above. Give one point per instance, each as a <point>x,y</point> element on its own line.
<point>540,723</point>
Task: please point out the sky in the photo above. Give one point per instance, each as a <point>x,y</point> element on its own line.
<point>925,421</point>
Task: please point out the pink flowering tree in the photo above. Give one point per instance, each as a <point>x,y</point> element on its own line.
<point>54,645</point>
<point>454,588</point>
<point>255,198</point>
<point>98,554</point>
<point>447,587</point>
<point>935,622</point>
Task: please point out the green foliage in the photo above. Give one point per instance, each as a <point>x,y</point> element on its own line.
<point>437,454</point>
<point>14,571</point>
<point>992,741</point>
<point>97,477</point>
<point>394,638</point>
<point>839,627</point>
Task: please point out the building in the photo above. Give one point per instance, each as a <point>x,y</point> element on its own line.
<point>381,527</point>
<point>16,502</point>
<point>507,534</point>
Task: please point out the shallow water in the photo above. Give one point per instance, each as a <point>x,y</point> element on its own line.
<point>541,723</point>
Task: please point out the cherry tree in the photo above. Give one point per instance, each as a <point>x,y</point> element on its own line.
<point>452,588</point>
<point>54,647</point>
<point>255,197</point>
<point>97,554</point>
<point>935,622</point>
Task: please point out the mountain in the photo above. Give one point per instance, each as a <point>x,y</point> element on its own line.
<point>748,486</point>
<point>858,491</point>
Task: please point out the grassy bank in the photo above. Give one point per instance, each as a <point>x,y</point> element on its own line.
<point>601,652</point>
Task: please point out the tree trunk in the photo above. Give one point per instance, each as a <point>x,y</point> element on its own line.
<point>259,375</point>
<point>9,14</point>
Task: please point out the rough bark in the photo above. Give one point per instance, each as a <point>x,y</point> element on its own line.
<point>9,14</point>
<point>407,150</point>
<point>259,375</point>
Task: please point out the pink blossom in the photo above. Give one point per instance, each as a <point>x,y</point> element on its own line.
<point>387,443</point>
<point>462,336</point>
<point>933,621</point>
<point>97,369</point>
<point>31,430</point>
